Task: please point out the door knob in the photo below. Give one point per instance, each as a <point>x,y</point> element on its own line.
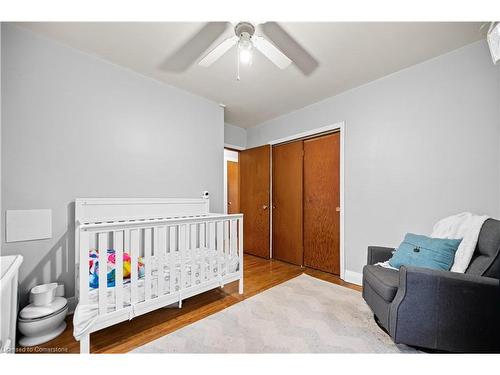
<point>337,209</point>
<point>264,207</point>
<point>229,203</point>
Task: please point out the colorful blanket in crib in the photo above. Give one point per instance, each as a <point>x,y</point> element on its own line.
<point>94,267</point>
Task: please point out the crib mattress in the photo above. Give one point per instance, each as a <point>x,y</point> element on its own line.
<point>210,261</point>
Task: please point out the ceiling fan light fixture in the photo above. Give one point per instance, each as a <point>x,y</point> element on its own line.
<point>245,48</point>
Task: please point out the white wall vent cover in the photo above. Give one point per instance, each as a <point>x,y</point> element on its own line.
<point>27,225</point>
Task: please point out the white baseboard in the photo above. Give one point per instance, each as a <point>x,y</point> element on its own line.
<point>353,277</point>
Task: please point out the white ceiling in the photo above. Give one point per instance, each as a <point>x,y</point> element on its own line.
<point>350,54</point>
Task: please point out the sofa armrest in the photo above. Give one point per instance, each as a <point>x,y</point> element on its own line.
<point>379,254</point>
<point>446,311</point>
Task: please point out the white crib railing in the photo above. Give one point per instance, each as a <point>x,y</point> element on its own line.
<point>181,257</point>
<point>9,275</point>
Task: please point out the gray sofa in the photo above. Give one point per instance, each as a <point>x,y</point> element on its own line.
<point>439,310</point>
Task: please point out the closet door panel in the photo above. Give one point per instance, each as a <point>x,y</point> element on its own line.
<point>287,202</point>
<point>321,203</point>
<point>255,179</point>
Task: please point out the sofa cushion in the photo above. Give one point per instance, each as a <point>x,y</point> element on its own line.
<point>486,258</point>
<point>379,306</point>
<point>384,281</point>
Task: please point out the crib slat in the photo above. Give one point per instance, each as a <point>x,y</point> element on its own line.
<point>102,242</point>
<point>203,246</point>
<point>167,257</point>
<point>193,236</point>
<point>118,246</point>
<point>159,252</point>
<point>233,240</point>
<point>220,246</point>
<point>199,251</point>
<point>203,242</point>
<point>171,257</point>
<point>134,255</point>
<point>226,245</point>
<point>84,267</point>
<point>182,248</point>
<point>192,250</point>
<point>208,247</point>
<point>147,263</point>
<point>240,251</point>
<point>212,248</point>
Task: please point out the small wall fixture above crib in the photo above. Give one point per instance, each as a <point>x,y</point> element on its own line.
<point>137,255</point>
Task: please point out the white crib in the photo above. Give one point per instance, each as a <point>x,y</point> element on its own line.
<point>184,250</point>
<point>9,269</point>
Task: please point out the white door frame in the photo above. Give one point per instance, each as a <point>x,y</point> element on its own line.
<point>340,126</point>
<point>229,155</point>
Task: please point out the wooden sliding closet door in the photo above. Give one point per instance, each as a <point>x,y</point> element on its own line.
<point>287,202</point>
<point>255,170</point>
<point>322,203</point>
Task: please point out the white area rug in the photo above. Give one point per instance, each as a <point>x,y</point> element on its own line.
<point>302,315</point>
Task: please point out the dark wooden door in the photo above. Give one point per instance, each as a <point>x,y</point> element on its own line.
<point>233,187</point>
<point>255,170</point>
<point>322,203</point>
<point>287,202</point>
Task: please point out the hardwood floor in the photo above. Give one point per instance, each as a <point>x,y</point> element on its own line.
<point>259,275</point>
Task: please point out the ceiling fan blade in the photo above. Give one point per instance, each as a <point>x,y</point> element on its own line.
<point>191,50</point>
<point>218,51</point>
<point>290,47</point>
<point>271,52</point>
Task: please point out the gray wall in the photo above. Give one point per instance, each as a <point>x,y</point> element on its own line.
<point>235,136</point>
<point>76,126</point>
<point>1,216</point>
<point>420,144</point>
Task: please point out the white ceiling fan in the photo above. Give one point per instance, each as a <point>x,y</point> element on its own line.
<point>283,50</point>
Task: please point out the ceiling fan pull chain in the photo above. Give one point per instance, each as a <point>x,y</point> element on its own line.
<point>237,67</point>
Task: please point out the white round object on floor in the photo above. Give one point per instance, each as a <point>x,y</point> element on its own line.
<point>44,337</point>
<point>39,330</point>
<point>35,312</point>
